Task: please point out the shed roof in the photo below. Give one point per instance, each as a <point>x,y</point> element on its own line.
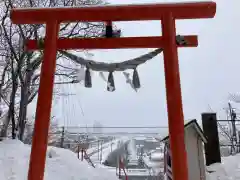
<point>193,123</point>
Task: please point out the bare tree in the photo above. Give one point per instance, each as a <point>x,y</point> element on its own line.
<point>20,74</point>
<point>229,126</point>
<point>54,132</point>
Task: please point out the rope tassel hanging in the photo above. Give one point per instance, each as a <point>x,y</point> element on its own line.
<point>112,67</point>
<point>88,79</point>
<point>111,84</point>
<point>136,80</point>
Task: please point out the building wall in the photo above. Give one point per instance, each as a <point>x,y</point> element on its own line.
<point>194,148</point>
<point>201,158</point>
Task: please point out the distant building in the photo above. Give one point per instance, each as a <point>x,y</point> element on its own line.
<point>194,139</point>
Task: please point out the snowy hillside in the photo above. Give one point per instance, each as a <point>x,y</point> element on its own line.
<point>61,164</point>
<point>229,169</point>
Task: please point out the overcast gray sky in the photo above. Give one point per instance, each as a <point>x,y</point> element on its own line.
<point>208,74</point>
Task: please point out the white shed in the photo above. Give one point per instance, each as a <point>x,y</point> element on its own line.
<point>194,139</point>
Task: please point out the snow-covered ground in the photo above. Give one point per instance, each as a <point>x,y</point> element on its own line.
<point>229,169</point>
<point>93,150</point>
<point>61,164</point>
<point>109,149</point>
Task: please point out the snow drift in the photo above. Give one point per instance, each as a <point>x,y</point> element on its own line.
<point>61,164</point>
<point>229,169</point>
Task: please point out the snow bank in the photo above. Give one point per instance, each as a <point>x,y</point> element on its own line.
<point>61,164</point>
<point>229,169</point>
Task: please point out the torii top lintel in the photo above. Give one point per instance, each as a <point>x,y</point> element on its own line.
<point>191,10</point>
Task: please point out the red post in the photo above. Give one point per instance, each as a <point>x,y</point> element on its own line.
<point>44,103</point>
<point>174,99</point>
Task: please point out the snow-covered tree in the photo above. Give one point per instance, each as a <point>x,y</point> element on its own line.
<point>54,137</point>
<point>19,69</point>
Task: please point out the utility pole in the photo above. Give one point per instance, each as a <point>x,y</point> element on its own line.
<point>62,137</point>
<point>233,117</point>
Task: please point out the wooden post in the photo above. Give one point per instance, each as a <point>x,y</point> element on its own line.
<point>62,137</point>
<point>174,99</point>
<point>78,151</point>
<point>98,150</point>
<point>212,147</point>
<point>44,104</point>
<point>101,152</point>
<point>82,154</point>
<point>111,145</point>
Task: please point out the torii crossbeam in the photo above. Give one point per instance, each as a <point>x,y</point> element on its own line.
<point>167,13</point>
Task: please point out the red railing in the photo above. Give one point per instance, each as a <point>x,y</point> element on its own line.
<point>84,155</point>
<point>121,167</point>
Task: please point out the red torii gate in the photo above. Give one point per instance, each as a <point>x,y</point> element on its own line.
<point>167,13</point>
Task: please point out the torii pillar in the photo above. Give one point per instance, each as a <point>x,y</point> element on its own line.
<point>167,13</point>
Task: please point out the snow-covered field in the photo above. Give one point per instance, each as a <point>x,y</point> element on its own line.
<point>61,164</point>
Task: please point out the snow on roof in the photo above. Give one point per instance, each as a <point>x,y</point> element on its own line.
<point>192,123</point>
<point>140,138</point>
<point>109,5</point>
<point>61,164</point>
<point>157,156</point>
<point>151,140</point>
